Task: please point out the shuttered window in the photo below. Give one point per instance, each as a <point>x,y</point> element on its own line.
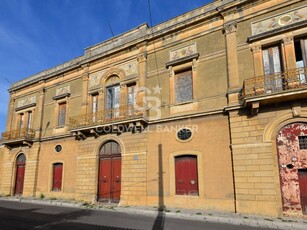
<point>112,101</point>
<point>62,114</point>
<point>183,86</point>
<point>272,69</point>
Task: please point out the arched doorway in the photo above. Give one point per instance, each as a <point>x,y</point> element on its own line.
<point>109,178</point>
<point>20,174</point>
<point>292,156</point>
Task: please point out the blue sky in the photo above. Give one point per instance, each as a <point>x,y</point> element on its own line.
<point>38,34</point>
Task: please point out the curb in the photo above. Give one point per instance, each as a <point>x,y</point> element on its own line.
<point>223,218</point>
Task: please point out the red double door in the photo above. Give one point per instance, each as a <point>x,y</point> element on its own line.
<point>109,178</point>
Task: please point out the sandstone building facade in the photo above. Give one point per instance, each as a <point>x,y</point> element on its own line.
<point>206,110</point>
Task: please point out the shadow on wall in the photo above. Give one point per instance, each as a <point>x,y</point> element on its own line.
<point>159,221</point>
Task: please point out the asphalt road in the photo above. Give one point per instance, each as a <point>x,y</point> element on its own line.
<point>16,215</point>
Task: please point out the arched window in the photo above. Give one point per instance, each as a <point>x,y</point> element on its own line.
<point>186,175</point>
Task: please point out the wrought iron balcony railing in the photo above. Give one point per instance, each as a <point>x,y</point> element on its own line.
<point>105,116</point>
<point>20,134</point>
<point>274,83</point>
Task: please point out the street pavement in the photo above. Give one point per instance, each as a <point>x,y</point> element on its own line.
<point>18,213</point>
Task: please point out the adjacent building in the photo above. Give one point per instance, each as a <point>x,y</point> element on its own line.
<point>206,110</point>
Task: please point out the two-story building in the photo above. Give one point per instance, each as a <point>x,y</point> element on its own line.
<point>203,111</point>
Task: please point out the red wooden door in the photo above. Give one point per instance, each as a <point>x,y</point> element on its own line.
<point>57,177</point>
<point>302,177</point>
<point>104,179</point>
<point>186,175</point>
<point>116,179</point>
<point>109,178</point>
<point>20,174</point>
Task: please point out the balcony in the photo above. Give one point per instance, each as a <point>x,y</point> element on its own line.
<point>283,86</point>
<point>107,120</point>
<point>23,136</point>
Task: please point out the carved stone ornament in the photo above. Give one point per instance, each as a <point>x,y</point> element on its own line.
<point>287,40</point>
<point>142,57</point>
<point>230,28</point>
<point>256,48</point>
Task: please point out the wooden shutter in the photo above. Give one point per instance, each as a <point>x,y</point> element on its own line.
<point>183,86</point>
<point>62,114</point>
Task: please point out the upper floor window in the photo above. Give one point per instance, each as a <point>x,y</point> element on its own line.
<point>95,103</point>
<point>131,99</point>
<point>112,101</point>
<point>183,86</point>
<point>62,114</point>
<point>300,46</point>
<point>21,120</point>
<point>272,69</point>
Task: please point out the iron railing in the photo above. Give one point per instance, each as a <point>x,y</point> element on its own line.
<point>24,134</point>
<point>274,83</point>
<point>105,116</point>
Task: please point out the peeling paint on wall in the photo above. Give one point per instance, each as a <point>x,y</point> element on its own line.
<point>291,159</point>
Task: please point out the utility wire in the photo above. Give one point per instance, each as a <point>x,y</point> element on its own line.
<point>154,46</point>
<point>111,30</point>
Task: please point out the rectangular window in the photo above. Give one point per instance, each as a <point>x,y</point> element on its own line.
<point>272,69</point>
<point>62,114</point>
<point>95,103</point>
<point>303,142</point>
<point>300,46</point>
<point>21,120</point>
<point>57,177</point>
<point>131,100</point>
<point>112,101</point>
<point>183,86</point>
<point>29,125</point>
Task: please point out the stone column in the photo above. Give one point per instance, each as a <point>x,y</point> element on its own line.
<point>10,113</point>
<point>142,61</point>
<point>230,31</point>
<point>289,52</point>
<point>257,56</point>
<point>38,120</point>
<point>85,79</point>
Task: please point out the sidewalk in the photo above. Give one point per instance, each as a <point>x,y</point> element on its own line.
<point>190,214</point>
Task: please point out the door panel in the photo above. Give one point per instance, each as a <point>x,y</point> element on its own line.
<point>302,177</point>
<point>116,179</point>
<point>186,175</point>
<point>57,177</point>
<point>19,181</point>
<point>104,179</point>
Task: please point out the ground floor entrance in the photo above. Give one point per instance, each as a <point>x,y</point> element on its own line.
<point>109,175</point>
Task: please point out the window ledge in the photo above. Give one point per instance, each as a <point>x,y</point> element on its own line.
<point>181,60</point>
<point>185,107</point>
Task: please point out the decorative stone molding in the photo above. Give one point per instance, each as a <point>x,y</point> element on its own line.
<point>183,52</point>
<point>142,57</point>
<point>287,40</point>
<point>62,90</point>
<point>279,21</point>
<point>26,102</point>
<point>255,48</point>
<point>229,28</point>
